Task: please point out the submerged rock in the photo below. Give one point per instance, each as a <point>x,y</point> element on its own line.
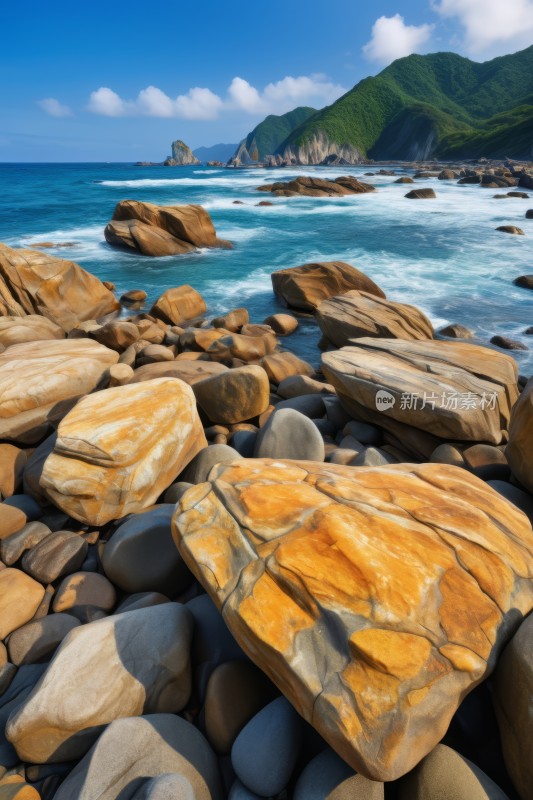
<point>374,598</point>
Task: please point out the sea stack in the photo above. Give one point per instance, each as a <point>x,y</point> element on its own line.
<point>182,155</point>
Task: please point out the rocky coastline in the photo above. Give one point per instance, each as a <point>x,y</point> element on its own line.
<point>225,573</point>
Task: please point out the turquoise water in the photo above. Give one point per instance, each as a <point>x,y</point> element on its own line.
<point>442,255</point>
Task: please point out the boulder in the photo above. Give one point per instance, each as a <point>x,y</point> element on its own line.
<point>519,449</point>
<point>375,599</point>
<point>421,194</point>
<point>12,547</point>
<point>20,597</point>
<point>158,746</point>
<point>307,286</point>
<point>456,331</point>
<point>99,471</point>
<point>121,666</point>
<point>188,371</point>
<point>61,553</point>
<point>328,777</point>
<point>282,324</point>
<point>355,315</point>
<point>525,281</point>
<point>12,463</point>
<point>452,390</point>
<point>133,298</point>
<point>279,366</point>
<point>508,344</point>
<point>37,640</point>
<point>513,688</point>
<point>118,334</point>
<point>511,229</point>
<point>56,374</point>
<point>289,434</point>
<point>317,187</point>
<point>15,330</point>
<point>234,395</point>
<point>12,520</point>
<point>202,464</point>
<point>244,348</point>
<point>177,305</point>
<point>233,320</point>
<point>143,225</point>
<point>141,557</point>
<point>32,282</point>
<point>81,591</point>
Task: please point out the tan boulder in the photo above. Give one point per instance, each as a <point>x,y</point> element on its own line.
<point>178,305</point>
<point>520,448</point>
<point>246,348</point>
<point>32,282</point>
<point>55,372</point>
<point>317,187</point>
<point>279,366</point>
<point>282,324</point>
<point>14,787</point>
<point>145,239</point>
<point>233,320</point>
<point>118,334</point>
<point>234,395</point>
<point>307,286</point>
<point>358,314</point>
<point>185,370</point>
<point>120,448</point>
<point>14,330</point>
<point>200,339</point>
<point>12,463</point>
<point>452,390</point>
<point>375,598</point>
<point>20,597</point>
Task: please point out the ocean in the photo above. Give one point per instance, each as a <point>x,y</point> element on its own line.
<point>442,255</point>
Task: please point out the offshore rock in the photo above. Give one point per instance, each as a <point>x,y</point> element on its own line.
<point>308,285</point>
<point>375,598</point>
<point>182,155</point>
<point>317,187</point>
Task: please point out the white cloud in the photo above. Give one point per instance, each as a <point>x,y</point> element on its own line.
<point>392,39</point>
<point>54,107</point>
<point>491,22</point>
<point>202,103</point>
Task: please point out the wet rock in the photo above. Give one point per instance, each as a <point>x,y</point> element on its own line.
<point>121,666</point>
<point>133,297</point>
<point>456,331</point>
<point>289,434</point>
<point>525,281</point>
<point>511,229</point>
<point>436,532</point>
<point>421,194</point>
<point>99,472</point>
<point>305,287</point>
<point>508,344</point>
<point>158,744</point>
<point>317,187</point>
<point>141,555</point>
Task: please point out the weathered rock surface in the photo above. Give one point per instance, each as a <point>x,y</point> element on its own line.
<point>305,287</point>
<point>158,744</point>
<point>317,187</point>
<point>55,372</point>
<point>358,314</point>
<point>32,282</point>
<point>161,230</point>
<point>234,395</point>
<point>374,598</point>
<point>98,471</point>
<point>188,371</point>
<point>178,305</point>
<point>453,390</point>
<point>182,155</point>
<point>122,666</point>
<point>520,447</point>
<point>15,330</point>
<point>513,682</point>
<point>20,596</point>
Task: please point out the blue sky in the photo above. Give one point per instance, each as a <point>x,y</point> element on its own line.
<point>119,82</point>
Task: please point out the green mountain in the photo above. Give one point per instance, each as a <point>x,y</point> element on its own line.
<point>270,133</point>
<point>438,105</point>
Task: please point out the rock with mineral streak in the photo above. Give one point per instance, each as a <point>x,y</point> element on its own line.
<point>453,390</point>
<point>55,372</point>
<point>358,314</point>
<point>375,598</point>
<point>32,282</point>
<point>305,287</point>
<point>99,471</point>
<point>122,666</point>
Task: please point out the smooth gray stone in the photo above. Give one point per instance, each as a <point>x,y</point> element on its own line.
<point>141,555</point>
<point>518,497</point>
<point>310,405</point>
<point>244,443</point>
<point>37,640</point>
<point>14,697</point>
<point>157,744</point>
<point>175,492</point>
<point>202,464</point>
<point>239,792</point>
<point>289,434</point>
<point>61,553</point>
<point>27,504</point>
<point>169,786</point>
<point>141,600</point>
<point>335,411</point>
<point>373,457</point>
<point>363,432</point>
<point>265,752</point>
<point>328,777</point>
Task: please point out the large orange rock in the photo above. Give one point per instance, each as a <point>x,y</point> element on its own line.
<point>32,282</point>
<point>519,451</point>
<point>375,598</point>
<point>307,286</point>
<point>14,330</point>
<point>37,378</point>
<point>178,305</point>
<point>161,230</point>
<point>188,371</point>
<point>120,448</point>
<point>358,314</point>
<point>234,395</point>
<point>453,390</point>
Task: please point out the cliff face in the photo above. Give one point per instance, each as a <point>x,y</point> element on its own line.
<point>182,155</point>
<point>320,149</point>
